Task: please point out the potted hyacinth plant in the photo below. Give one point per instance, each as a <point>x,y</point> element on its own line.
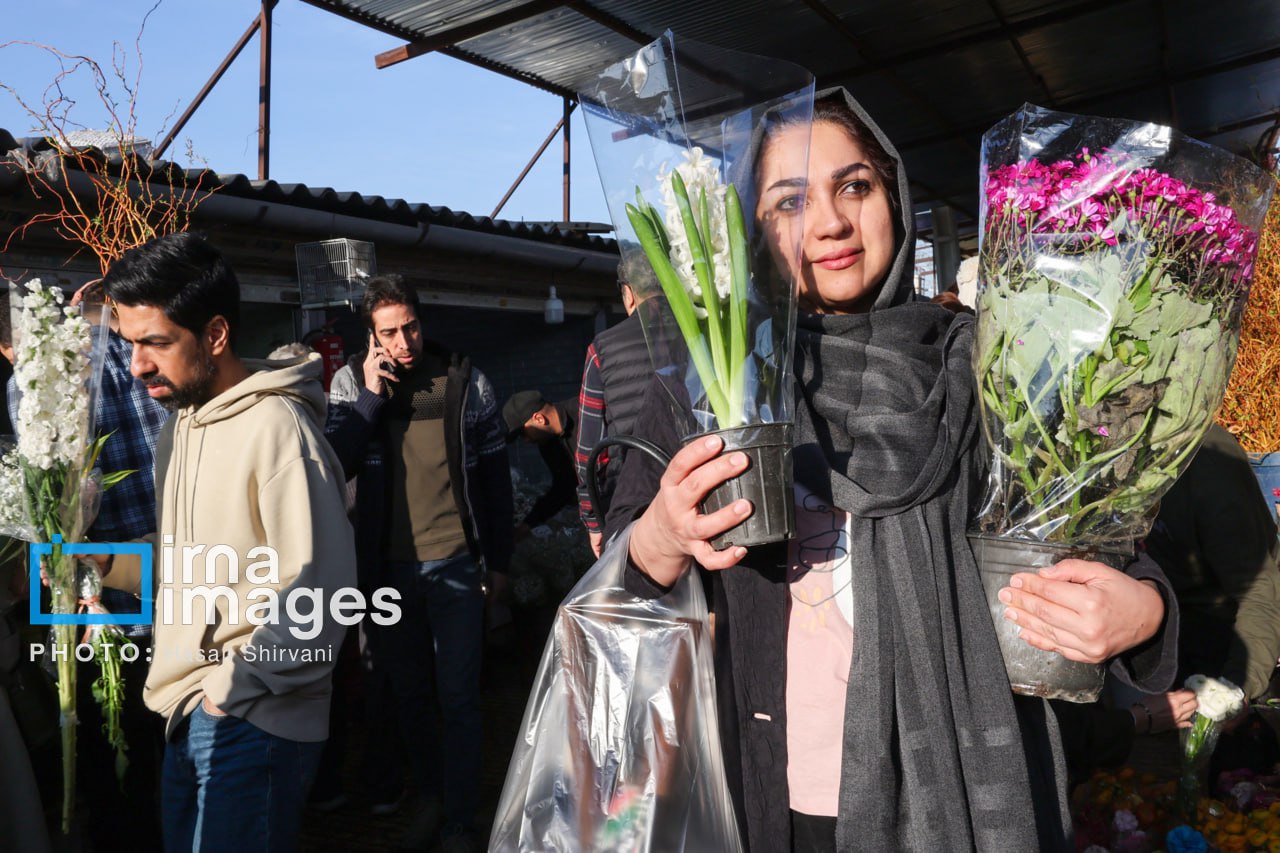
<point>51,493</point>
<point>1114,267</point>
<point>674,129</point>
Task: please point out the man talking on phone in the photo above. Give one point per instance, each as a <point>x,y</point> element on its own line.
<point>419,430</point>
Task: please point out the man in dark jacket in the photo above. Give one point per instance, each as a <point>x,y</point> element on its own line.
<point>418,428</point>
<point>614,378</point>
<point>551,427</point>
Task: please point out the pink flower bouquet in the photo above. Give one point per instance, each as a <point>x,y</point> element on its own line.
<point>1114,268</point>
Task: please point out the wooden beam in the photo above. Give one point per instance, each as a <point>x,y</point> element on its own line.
<point>462,33</point>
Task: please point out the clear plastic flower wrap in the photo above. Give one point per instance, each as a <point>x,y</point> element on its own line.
<point>619,748</point>
<point>676,130</point>
<point>1115,264</point>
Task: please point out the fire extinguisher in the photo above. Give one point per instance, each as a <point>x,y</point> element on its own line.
<point>329,344</point>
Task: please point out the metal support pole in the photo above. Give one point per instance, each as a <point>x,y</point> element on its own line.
<point>946,248</point>
<point>207,88</point>
<point>568,110</point>
<point>264,92</point>
<point>528,166</point>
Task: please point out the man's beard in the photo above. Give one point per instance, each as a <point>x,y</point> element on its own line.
<point>195,393</point>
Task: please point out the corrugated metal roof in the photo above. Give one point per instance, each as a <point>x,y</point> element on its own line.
<point>329,200</point>
<point>935,73</point>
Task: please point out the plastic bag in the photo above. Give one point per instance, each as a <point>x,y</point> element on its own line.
<point>619,748</point>
<point>1115,262</point>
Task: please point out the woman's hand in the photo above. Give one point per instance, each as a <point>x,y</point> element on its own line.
<point>673,532</point>
<point>1083,611</point>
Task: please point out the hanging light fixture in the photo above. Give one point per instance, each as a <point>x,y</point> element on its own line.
<point>553,308</point>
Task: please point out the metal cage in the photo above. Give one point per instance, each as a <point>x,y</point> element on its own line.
<point>333,272</point>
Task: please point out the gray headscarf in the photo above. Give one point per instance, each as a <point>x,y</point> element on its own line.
<point>933,753</point>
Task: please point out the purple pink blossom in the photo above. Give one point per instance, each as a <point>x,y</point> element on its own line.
<point>1083,199</point>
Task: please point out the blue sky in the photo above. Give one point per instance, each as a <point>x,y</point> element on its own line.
<point>430,130</point>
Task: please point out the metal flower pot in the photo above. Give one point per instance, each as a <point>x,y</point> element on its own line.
<point>767,483</point>
<point>1032,671</point>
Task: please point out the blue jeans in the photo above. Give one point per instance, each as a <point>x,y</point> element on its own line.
<point>432,658</point>
<point>229,786</point>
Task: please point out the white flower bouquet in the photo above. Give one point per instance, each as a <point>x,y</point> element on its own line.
<point>49,485</point>
<point>1217,700</point>
<point>676,130</point>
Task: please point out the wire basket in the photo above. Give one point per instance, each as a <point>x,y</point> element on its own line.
<point>333,272</point>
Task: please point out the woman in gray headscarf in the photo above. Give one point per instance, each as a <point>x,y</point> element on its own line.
<point>863,701</point>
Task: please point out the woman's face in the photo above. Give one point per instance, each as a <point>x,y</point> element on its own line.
<point>846,246</point>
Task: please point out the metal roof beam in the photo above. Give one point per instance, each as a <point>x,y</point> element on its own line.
<point>1273,115</point>
<point>452,52</point>
<point>1093,97</point>
<point>367,20</point>
<point>1036,77</point>
<point>1016,28</point>
<point>507,71</point>
<point>901,85</point>
<point>207,88</point>
<point>1170,98</point>
<point>462,33</point>
<point>610,22</point>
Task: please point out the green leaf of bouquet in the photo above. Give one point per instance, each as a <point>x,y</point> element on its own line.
<point>1162,350</point>
<point>1179,312</point>
<point>1190,376</point>
<point>109,480</point>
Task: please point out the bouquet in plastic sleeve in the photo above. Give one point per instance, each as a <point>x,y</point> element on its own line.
<point>1217,700</point>
<point>1114,269</point>
<point>50,475</point>
<point>677,130</point>
<point>619,748</point>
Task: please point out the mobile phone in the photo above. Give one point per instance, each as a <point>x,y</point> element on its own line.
<point>384,364</point>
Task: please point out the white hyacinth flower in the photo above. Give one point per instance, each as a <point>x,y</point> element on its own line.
<point>700,174</point>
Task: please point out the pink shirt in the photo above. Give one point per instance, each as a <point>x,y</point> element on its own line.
<point>819,653</point>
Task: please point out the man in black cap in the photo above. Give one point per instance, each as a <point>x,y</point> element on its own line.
<point>552,427</point>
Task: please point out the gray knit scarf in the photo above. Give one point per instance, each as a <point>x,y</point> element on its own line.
<point>933,753</point>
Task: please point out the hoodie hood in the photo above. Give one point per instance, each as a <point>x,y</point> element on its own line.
<point>899,284</point>
<point>298,378</point>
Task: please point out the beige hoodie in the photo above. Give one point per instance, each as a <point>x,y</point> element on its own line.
<point>250,468</point>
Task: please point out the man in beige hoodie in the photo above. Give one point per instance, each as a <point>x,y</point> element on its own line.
<point>253,556</point>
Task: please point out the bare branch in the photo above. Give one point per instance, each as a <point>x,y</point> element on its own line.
<point>130,201</point>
